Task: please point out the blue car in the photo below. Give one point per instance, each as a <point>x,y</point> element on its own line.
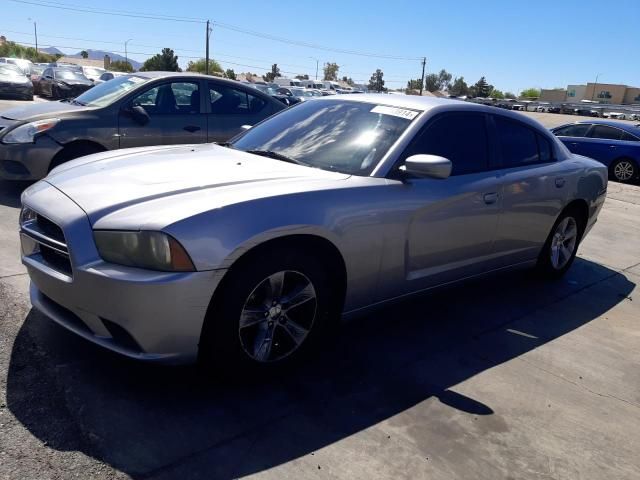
<point>615,144</point>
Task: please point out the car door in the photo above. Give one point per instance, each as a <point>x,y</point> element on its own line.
<point>603,143</point>
<point>573,136</point>
<point>174,111</point>
<point>453,222</point>
<point>46,81</point>
<point>230,108</point>
<point>533,190</point>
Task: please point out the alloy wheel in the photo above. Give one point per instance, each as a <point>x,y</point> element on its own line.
<point>623,170</point>
<point>564,242</point>
<point>277,316</point>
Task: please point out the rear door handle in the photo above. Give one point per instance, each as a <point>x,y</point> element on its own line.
<point>191,128</point>
<point>490,198</point>
<point>560,182</point>
<point>612,146</point>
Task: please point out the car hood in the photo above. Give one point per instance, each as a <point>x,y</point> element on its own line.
<point>152,179</point>
<point>41,110</point>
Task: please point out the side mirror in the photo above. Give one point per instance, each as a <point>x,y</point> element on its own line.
<point>244,128</point>
<point>138,114</point>
<point>427,166</point>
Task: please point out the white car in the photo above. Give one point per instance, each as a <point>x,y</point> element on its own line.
<point>616,115</point>
<point>106,76</point>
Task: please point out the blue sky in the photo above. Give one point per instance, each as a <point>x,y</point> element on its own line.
<point>515,44</point>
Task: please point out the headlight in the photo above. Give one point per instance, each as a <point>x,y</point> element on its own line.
<point>150,250</point>
<point>26,133</point>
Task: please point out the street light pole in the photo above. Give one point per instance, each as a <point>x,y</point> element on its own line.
<point>35,33</point>
<point>595,85</point>
<point>126,57</point>
<point>317,63</point>
<point>207,36</point>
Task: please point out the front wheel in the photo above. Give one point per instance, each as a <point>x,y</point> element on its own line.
<point>272,310</point>
<point>559,251</point>
<point>623,170</point>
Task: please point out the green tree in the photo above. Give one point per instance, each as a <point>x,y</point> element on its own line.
<point>438,81</point>
<point>509,95</point>
<point>530,93</point>
<point>331,71</point>
<point>12,49</point>
<point>200,66</point>
<point>166,61</point>
<point>275,72</point>
<point>496,94</point>
<point>230,74</point>
<point>348,80</point>
<point>302,77</point>
<point>459,87</point>
<point>376,82</point>
<point>84,54</point>
<point>481,89</point>
<point>120,66</point>
<point>414,84</point>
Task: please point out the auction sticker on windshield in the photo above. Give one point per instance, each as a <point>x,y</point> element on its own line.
<point>396,112</point>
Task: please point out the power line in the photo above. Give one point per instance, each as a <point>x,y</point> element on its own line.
<point>125,13</point>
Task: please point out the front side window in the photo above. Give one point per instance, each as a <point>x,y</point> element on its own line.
<point>349,137</point>
<point>517,142</point>
<point>605,132</point>
<point>170,99</point>
<point>460,137</point>
<point>575,130</point>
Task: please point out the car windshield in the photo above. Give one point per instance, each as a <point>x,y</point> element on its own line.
<point>299,92</point>
<point>96,72</point>
<point>267,90</point>
<point>24,65</point>
<point>37,70</point>
<point>349,137</point>
<point>108,92</point>
<point>68,75</point>
<point>8,70</point>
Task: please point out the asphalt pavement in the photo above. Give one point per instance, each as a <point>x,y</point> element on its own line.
<point>504,377</point>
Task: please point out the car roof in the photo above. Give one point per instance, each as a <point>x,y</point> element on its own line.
<point>627,127</point>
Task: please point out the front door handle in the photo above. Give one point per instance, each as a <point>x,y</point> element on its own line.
<point>490,198</point>
<point>612,146</point>
<point>191,128</point>
<point>560,182</point>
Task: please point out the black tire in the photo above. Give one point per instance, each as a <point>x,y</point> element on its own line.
<point>224,347</point>
<point>73,151</point>
<point>623,170</point>
<point>545,265</point>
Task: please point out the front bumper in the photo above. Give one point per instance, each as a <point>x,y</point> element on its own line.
<point>27,161</point>
<point>146,315</point>
<point>16,90</point>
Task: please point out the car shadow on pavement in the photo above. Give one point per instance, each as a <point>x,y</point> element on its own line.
<point>160,422</point>
<point>10,192</point>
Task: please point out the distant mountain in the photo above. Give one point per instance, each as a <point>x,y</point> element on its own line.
<point>99,55</point>
<point>51,51</point>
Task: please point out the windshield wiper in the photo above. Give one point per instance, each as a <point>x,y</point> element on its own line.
<point>277,156</point>
<point>225,144</point>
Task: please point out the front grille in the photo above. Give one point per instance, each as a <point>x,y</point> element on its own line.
<point>51,242</point>
<point>50,229</point>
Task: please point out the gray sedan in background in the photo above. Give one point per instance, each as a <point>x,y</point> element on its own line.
<point>244,255</point>
<point>147,108</point>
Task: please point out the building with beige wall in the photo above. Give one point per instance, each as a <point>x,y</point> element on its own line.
<point>632,96</point>
<point>605,92</point>
<point>576,93</point>
<point>553,95</point>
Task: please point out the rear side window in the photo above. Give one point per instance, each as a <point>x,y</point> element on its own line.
<point>576,130</point>
<point>518,143</point>
<point>627,137</point>
<point>544,149</point>
<point>606,132</point>
<point>460,137</point>
<point>229,101</point>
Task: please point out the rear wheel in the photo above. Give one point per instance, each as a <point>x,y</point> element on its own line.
<point>271,311</point>
<point>559,251</point>
<point>623,170</point>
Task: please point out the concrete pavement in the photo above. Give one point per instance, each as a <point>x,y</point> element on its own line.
<point>505,377</point>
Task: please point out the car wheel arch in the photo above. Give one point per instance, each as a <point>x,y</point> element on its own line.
<point>71,149</point>
<point>581,207</point>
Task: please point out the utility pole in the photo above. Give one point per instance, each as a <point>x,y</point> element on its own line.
<point>35,32</point>
<point>595,85</point>
<point>207,48</point>
<point>424,63</point>
<point>317,63</point>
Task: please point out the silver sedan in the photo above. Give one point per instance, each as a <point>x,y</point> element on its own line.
<point>244,254</point>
